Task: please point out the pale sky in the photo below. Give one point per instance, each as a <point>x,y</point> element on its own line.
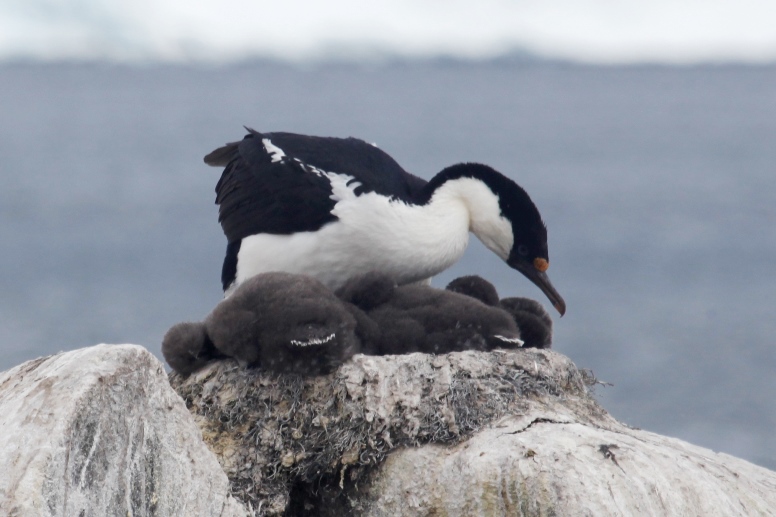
<point>599,31</point>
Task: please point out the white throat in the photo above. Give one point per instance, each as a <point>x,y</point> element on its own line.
<point>485,219</point>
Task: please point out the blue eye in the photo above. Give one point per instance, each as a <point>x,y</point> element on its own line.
<point>523,250</point>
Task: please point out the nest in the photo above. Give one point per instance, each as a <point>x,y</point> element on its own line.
<point>276,434</point>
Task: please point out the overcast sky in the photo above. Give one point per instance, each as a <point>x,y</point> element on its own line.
<point>601,31</point>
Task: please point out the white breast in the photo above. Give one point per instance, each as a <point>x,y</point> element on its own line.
<point>408,242</point>
<point>373,233</point>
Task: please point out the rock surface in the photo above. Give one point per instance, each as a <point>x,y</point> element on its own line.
<point>278,433</point>
<point>97,432</point>
<point>463,434</point>
<point>544,464</point>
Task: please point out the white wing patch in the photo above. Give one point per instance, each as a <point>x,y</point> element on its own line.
<point>343,186</point>
<point>275,152</point>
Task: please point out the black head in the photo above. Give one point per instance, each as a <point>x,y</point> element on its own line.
<point>533,320</point>
<point>476,287</point>
<point>187,347</point>
<point>513,228</point>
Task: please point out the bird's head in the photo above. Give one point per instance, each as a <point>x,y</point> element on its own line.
<point>529,256</point>
<point>505,219</point>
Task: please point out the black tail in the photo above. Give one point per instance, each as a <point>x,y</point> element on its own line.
<point>222,156</point>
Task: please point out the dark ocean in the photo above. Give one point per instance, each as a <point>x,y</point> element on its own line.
<point>658,186</point>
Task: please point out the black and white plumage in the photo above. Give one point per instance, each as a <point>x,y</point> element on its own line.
<point>337,208</point>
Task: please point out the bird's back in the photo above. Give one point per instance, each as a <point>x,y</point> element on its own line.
<point>273,182</point>
<point>369,165</point>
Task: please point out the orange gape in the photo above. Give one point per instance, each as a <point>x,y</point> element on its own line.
<point>541,264</point>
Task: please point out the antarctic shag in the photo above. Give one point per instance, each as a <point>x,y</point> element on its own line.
<point>335,208</point>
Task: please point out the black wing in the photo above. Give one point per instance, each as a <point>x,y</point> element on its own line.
<point>257,195</point>
<point>369,165</point>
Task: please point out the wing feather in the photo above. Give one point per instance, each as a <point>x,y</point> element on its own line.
<point>259,192</point>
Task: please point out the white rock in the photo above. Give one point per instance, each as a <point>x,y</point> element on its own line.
<point>99,432</point>
<point>530,466</point>
<point>462,434</point>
